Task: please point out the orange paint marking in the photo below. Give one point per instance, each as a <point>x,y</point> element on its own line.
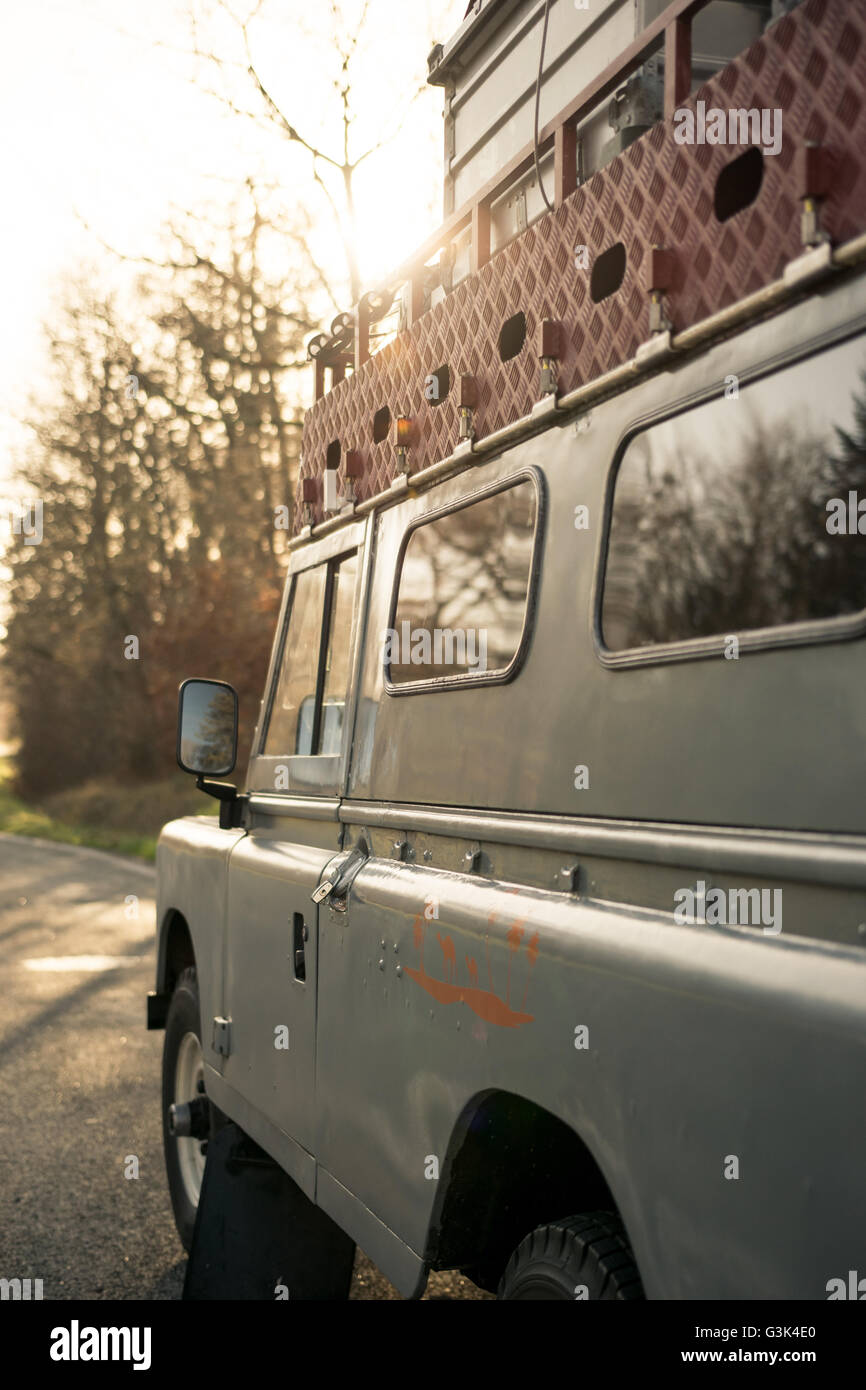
<point>481,1001</point>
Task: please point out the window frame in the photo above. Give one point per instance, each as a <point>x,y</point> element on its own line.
<point>329,613</point>
<point>312,774</point>
<point>808,632</point>
<point>330,565</point>
<point>535,477</point>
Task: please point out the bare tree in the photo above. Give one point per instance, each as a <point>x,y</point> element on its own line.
<point>162,457</point>
<point>333,168</point>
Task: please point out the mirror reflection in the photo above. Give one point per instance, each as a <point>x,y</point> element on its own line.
<point>743,513</point>
<point>208,728</point>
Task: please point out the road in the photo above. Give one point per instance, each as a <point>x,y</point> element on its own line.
<point>79,1085</point>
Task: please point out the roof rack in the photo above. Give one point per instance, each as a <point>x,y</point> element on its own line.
<point>670,232</point>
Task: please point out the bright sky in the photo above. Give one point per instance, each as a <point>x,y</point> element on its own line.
<point>104,126</point>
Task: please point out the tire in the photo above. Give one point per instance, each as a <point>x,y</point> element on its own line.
<point>182,1080</point>
<point>589,1252</point>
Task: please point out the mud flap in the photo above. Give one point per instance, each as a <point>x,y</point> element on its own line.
<point>257,1236</point>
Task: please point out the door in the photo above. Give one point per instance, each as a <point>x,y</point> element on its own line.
<point>272,942</point>
<point>419,1003</point>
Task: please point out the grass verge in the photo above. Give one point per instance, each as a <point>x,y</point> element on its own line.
<point>101,815</point>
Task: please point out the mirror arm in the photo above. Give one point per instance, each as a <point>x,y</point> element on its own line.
<point>232,804</point>
<point>223,791</point>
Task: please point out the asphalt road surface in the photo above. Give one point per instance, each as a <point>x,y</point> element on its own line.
<point>80,1085</point>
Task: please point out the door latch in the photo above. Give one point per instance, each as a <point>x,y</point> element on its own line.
<point>340,875</point>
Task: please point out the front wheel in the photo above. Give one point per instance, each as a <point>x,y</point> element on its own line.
<point>579,1257</point>
<point>183,1084</point>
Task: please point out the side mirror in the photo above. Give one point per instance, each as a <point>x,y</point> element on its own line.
<point>207,727</point>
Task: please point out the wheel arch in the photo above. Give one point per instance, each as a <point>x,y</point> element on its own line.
<point>176,951</point>
<point>510,1166</point>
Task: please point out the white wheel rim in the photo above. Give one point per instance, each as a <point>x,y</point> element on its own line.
<point>187,1074</point>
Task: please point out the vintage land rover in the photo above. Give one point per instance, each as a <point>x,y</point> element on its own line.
<point>535,944</point>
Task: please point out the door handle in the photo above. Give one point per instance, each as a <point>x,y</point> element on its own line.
<point>299,939</point>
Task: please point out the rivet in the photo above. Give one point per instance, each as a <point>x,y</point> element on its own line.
<point>399,970</point>
<point>396,948</point>
<point>381,965</point>
<point>382,943</point>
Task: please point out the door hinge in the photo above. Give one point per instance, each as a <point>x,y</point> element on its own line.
<point>569,878</point>
<point>222,1036</point>
<point>450,144</point>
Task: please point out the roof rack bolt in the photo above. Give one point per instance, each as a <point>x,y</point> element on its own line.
<point>309,496</point>
<point>467,403</point>
<point>661,265</point>
<point>354,469</point>
<point>330,500</point>
<point>403,441</point>
<point>814,180</point>
<point>550,336</point>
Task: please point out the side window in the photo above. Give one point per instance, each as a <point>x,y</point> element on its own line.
<point>336,673</point>
<point>463,590</point>
<point>737,516</point>
<point>306,715</point>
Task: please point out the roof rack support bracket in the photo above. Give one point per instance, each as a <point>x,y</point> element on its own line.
<point>656,349</point>
<point>813,265</point>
